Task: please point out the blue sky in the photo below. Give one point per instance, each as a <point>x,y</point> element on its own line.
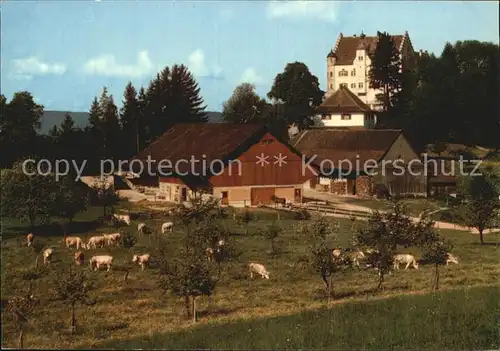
<point>64,52</point>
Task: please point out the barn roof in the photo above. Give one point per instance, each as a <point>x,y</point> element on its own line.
<point>200,141</point>
<point>345,52</point>
<point>336,145</point>
<point>343,100</point>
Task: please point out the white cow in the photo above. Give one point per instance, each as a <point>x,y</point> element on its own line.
<point>96,241</point>
<point>258,269</point>
<point>167,227</point>
<point>451,259</point>
<point>30,239</point>
<point>98,261</point>
<point>356,257</point>
<point>112,239</point>
<point>405,259</point>
<point>141,227</point>
<point>47,255</point>
<point>142,260</point>
<point>122,218</point>
<point>71,241</point>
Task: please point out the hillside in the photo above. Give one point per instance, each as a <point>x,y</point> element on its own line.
<point>52,118</point>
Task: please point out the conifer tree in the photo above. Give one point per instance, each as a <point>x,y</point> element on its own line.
<point>129,118</point>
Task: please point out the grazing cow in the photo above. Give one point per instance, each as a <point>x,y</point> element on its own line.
<point>405,259</point>
<point>258,269</point>
<point>451,259</point>
<point>71,241</point>
<point>210,254</point>
<point>356,257</point>
<point>96,241</point>
<point>98,261</point>
<point>122,218</point>
<point>29,239</point>
<point>167,227</point>
<point>79,258</point>
<point>142,260</point>
<point>141,227</point>
<point>112,239</point>
<point>47,255</point>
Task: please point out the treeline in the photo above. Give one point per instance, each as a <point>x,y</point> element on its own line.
<point>173,96</point>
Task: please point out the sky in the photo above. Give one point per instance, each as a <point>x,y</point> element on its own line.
<point>65,51</point>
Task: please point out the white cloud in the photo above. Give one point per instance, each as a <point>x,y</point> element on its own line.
<point>197,66</point>
<point>250,76</point>
<point>27,68</point>
<point>322,10</point>
<point>106,65</point>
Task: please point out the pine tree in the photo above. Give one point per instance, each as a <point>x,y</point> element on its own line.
<point>111,130</point>
<point>385,68</point>
<point>94,137</point>
<point>154,107</point>
<point>129,118</point>
<point>143,121</point>
<point>187,104</point>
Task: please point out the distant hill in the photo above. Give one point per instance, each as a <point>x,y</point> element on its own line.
<point>52,118</point>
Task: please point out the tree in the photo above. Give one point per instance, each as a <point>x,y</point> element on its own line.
<point>385,66</point>
<point>298,92</point>
<point>20,121</point>
<point>112,130</point>
<point>245,106</point>
<point>21,308</point>
<point>187,104</point>
<point>271,233</point>
<point>130,119</point>
<point>245,217</point>
<point>72,197</point>
<point>436,251</point>
<point>480,205</point>
<point>321,232</point>
<point>28,197</point>
<point>72,287</point>
<point>141,107</point>
<point>104,194</point>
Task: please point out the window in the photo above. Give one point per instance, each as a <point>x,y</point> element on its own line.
<point>345,116</point>
<point>267,141</point>
<point>331,86</point>
<point>360,58</point>
<point>326,117</point>
<point>343,73</point>
<point>353,72</point>
<point>362,94</point>
<point>343,85</point>
<point>360,84</point>
<point>331,74</point>
<point>353,85</point>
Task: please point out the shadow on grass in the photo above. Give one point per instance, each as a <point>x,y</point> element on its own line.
<point>486,244</point>
<point>53,229</point>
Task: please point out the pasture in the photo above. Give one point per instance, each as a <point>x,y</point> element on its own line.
<point>136,310</point>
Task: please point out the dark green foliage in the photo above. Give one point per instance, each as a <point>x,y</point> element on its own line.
<point>128,240</point>
<point>271,233</point>
<point>297,92</point>
<point>131,122</point>
<point>384,71</point>
<point>103,194</point>
<point>480,203</point>
<point>302,214</point>
<point>72,197</point>
<point>21,309</point>
<point>245,106</point>
<point>436,251</point>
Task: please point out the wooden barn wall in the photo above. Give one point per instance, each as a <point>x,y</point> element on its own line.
<point>269,174</point>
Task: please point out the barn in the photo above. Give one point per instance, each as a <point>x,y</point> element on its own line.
<point>241,164</point>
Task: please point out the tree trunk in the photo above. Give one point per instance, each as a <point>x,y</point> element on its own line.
<point>325,281</point>
<point>126,276</point>
<point>194,309</point>
<point>187,306</point>
<point>73,318</point>
<point>330,288</point>
<point>436,285</point>
<point>380,279</point>
<point>21,338</point>
<point>481,236</point>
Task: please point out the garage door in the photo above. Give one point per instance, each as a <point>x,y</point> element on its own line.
<point>262,196</point>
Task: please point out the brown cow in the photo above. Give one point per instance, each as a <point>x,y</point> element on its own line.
<point>79,257</point>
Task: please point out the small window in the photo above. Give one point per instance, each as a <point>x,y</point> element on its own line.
<point>343,73</point>
<point>360,84</point>
<point>326,117</point>
<point>343,85</point>
<point>267,141</point>
<point>331,74</point>
<point>360,58</point>
<point>331,86</point>
<point>353,72</point>
<point>346,116</point>
<point>353,85</point>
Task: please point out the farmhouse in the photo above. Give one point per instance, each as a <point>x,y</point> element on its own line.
<point>344,109</point>
<point>359,161</point>
<point>242,164</point>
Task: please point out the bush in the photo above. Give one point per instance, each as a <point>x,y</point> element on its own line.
<point>128,240</point>
<point>302,215</point>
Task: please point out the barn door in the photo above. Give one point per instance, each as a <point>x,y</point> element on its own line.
<point>262,196</point>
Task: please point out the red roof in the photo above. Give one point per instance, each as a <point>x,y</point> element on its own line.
<point>345,52</point>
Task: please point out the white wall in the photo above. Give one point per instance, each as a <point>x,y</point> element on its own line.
<point>357,120</point>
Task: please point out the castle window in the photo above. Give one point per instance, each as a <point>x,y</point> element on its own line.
<point>360,58</point>
<point>360,84</point>
<point>353,85</point>
<point>331,74</point>
<point>345,116</point>
<point>353,72</point>
<point>331,86</point>
<point>343,73</point>
<point>343,85</point>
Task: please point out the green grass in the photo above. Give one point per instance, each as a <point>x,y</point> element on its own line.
<point>292,289</point>
<point>462,319</point>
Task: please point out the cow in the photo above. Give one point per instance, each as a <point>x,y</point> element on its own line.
<point>95,241</point>
<point>405,259</point>
<point>258,269</point>
<point>79,258</point>
<point>47,255</point>
<point>122,218</point>
<point>98,261</point>
<point>30,239</point>
<point>167,227</point>
<point>451,259</point>
<point>71,241</point>
<point>141,260</point>
<point>141,227</point>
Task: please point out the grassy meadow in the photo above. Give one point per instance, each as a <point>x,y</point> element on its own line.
<point>261,313</point>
